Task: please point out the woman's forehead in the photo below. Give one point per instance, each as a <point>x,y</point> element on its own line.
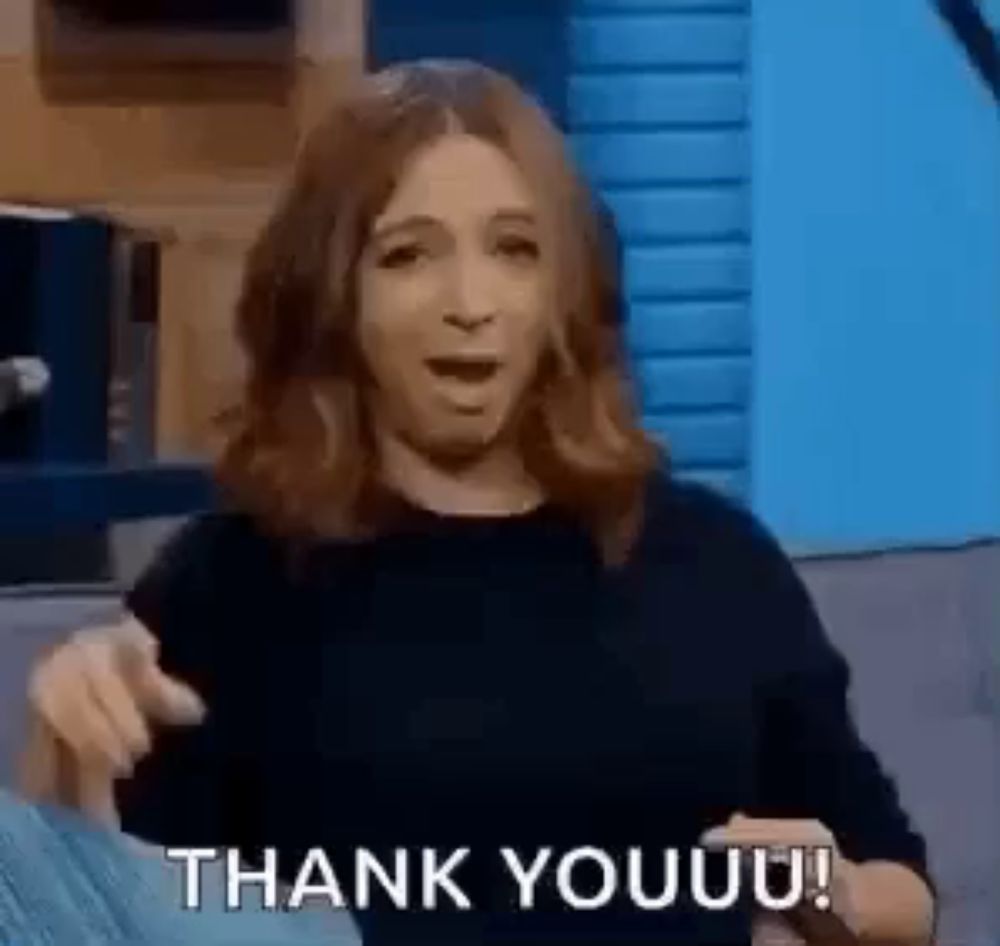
<point>459,173</point>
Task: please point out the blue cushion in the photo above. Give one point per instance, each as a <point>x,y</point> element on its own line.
<point>64,880</point>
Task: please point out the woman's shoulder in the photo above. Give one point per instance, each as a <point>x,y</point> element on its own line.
<point>211,543</point>
<point>690,513</point>
<point>731,555</point>
<point>720,536</point>
<point>208,559</point>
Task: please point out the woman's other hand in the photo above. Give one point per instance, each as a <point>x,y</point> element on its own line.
<point>840,921</point>
<point>93,703</point>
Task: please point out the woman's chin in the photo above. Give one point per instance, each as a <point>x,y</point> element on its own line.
<point>463,439</point>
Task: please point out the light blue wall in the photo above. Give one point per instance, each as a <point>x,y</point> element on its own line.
<point>876,278</point>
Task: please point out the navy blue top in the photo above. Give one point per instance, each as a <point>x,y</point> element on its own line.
<point>488,682</point>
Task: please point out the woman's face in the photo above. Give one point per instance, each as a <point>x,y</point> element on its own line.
<point>451,287</point>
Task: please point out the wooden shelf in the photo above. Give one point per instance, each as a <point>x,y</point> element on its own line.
<point>78,61</point>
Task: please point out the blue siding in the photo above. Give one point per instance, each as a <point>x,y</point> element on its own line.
<point>658,41</point>
<point>658,110</point>
<point>685,383</point>
<point>660,6</point>
<point>688,271</point>
<point>644,158</point>
<point>673,214</point>
<point>525,38</point>
<point>694,327</point>
<point>645,98</point>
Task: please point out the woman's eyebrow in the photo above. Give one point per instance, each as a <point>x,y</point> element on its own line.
<point>412,222</point>
<point>387,228</point>
<point>514,215</point>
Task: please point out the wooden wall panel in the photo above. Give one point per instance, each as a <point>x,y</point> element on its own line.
<point>200,286</point>
<point>201,170</point>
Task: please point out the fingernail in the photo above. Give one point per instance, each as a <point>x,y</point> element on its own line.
<point>192,712</point>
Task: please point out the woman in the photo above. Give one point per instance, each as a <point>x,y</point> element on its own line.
<point>455,599</point>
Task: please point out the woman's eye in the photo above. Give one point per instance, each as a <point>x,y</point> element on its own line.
<point>518,248</point>
<point>401,256</point>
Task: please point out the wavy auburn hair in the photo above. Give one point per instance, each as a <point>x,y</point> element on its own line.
<point>299,453</point>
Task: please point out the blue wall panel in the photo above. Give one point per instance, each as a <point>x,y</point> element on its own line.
<point>642,158</point>
<point>681,213</point>
<point>661,6</point>
<point>695,327</point>
<point>683,383</point>
<point>525,38</point>
<point>688,271</point>
<point>658,108</point>
<point>658,41</point>
<point>652,98</point>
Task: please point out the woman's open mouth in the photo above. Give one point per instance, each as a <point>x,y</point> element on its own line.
<point>467,369</point>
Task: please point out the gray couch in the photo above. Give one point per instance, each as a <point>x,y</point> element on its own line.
<point>922,632</point>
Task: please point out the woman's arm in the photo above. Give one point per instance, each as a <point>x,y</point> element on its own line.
<point>813,764</point>
<point>816,766</point>
<point>198,786</point>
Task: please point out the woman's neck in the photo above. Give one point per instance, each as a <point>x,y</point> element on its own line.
<point>493,484</point>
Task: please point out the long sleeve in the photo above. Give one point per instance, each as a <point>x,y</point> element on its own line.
<point>196,787</point>
<point>813,761</point>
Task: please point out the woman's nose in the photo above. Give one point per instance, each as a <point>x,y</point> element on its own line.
<point>472,302</point>
<point>468,320</point>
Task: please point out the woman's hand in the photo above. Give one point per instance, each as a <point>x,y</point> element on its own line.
<point>92,703</point>
<point>839,922</point>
